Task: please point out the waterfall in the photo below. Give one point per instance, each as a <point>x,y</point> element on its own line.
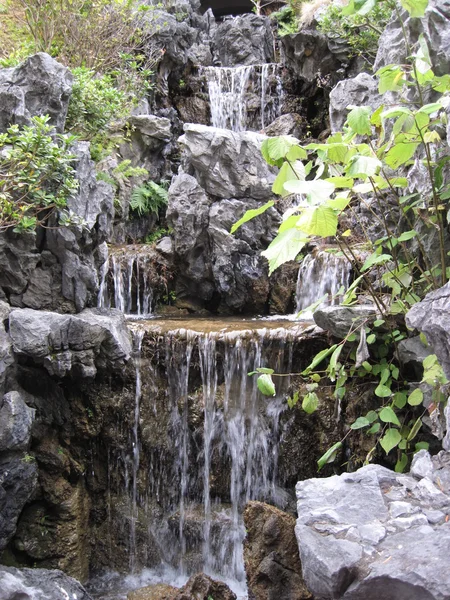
<point>231,88</point>
<point>321,273</point>
<point>126,281</point>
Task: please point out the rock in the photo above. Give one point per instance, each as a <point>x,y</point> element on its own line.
<point>39,584</point>
<point>202,587</point>
<point>18,480</point>
<point>435,26</point>
<point>6,352</point>
<point>446,440</point>
<point>165,246</point>
<point>71,344</point>
<point>411,353</point>
<point>165,32</point>
<point>272,563</point>
<point>370,534</point>
<point>151,126</point>
<point>308,56</point>
<point>16,419</point>
<point>161,591</point>
<point>289,124</point>
<point>360,91</point>
<point>432,317</point>
<point>245,40</point>
<point>338,320</point>
<point>227,164</point>
<point>39,86</point>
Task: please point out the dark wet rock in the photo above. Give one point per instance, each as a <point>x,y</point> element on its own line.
<point>71,344</point>
<point>16,419</point>
<point>245,40</point>
<point>203,587</point>
<point>339,320</point>
<point>362,90</point>
<point>39,584</point>
<point>289,124</point>
<point>39,86</point>
<point>372,533</point>
<point>6,352</point>
<point>160,591</point>
<point>272,562</point>
<point>227,164</point>
<point>432,317</point>
<point>411,353</point>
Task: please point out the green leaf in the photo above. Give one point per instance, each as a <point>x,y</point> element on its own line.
<point>277,148</point>
<point>372,416</point>
<point>400,465</point>
<point>296,153</point>
<point>387,415</point>
<point>360,423</point>
<point>317,191</point>
<point>416,8</point>
<point>363,166</point>
<point>416,397</point>
<point>390,440</point>
<point>292,401</point>
<point>374,429</point>
<point>266,385</point>
<point>319,358</point>
<point>310,403</point>
<point>422,446</point>
<point>415,429</point>
<point>382,391</point>
<point>251,214</point>
<point>359,120</point>
<point>284,247</point>
<point>400,154</point>
<point>399,399</point>
<point>288,172</point>
<point>262,370</point>
<point>321,221</point>
<point>329,456</point>
<point>391,79</point>
<point>408,235</point>
<point>375,259</point>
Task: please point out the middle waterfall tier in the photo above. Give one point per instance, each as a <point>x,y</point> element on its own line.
<point>244,98</point>
<point>131,280</point>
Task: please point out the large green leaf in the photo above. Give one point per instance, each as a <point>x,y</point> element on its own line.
<point>329,456</point>
<point>284,247</point>
<point>416,8</point>
<point>265,385</point>
<point>317,191</point>
<point>251,214</point>
<point>310,403</point>
<point>363,166</point>
<point>400,154</point>
<point>320,220</point>
<point>288,172</point>
<point>319,358</point>
<point>387,415</point>
<point>375,259</point>
<point>390,440</point>
<point>277,148</point>
<point>359,120</point>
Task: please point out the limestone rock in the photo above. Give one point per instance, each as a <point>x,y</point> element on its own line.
<point>362,90</point>
<point>272,563</point>
<point>39,86</point>
<point>39,584</point>
<point>411,353</point>
<point>245,40</point>
<point>432,317</point>
<point>338,320</point>
<point>16,419</point>
<point>375,533</point>
<point>71,344</point>
<point>203,587</point>
<point>227,164</point>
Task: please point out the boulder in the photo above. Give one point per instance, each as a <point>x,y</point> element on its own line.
<point>160,591</point>
<point>435,27</point>
<point>375,533</point>
<point>432,317</point>
<point>272,562</point>
<point>6,352</point>
<point>202,587</point>
<point>289,124</point>
<point>39,584</point>
<point>16,419</point>
<point>71,344</point>
<point>411,353</point>
<point>362,90</point>
<point>338,320</point>
<point>245,40</point>
<point>38,86</point>
<point>227,164</point>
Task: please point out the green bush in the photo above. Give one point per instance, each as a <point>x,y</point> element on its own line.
<point>36,175</point>
<point>148,198</point>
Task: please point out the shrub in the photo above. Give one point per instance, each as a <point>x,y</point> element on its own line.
<point>148,198</point>
<point>36,175</point>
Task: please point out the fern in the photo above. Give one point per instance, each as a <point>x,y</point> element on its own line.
<point>148,198</point>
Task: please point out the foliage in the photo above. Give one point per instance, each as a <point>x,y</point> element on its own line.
<point>286,20</point>
<point>156,235</point>
<point>123,172</point>
<point>148,198</point>
<point>359,31</point>
<point>366,165</point>
<point>36,175</point>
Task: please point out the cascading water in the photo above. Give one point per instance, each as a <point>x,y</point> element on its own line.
<point>321,274</point>
<point>126,281</point>
<point>230,89</point>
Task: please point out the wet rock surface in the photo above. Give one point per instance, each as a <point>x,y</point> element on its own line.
<point>198,587</point>
<point>39,584</point>
<point>272,563</point>
<point>245,40</point>
<point>371,534</point>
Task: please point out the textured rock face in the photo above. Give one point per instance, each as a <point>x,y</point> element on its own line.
<point>435,27</point>
<point>272,563</point>
<point>39,86</point>
<point>68,344</point>
<point>245,40</point>
<point>362,90</point>
<point>227,164</point>
<point>39,584</point>
<point>374,533</point>
<point>432,317</point>
<point>338,320</point>
<point>199,587</point>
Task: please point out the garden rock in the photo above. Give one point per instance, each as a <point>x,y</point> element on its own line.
<point>339,320</point>
<point>411,353</point>
<point>362,90</point>
<point>375,533</point>
<point>39,86</point>
<point>39,584</point>
<point>245,40</point>
<point>16,419</point>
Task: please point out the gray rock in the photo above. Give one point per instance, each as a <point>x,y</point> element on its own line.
<point>411,353</point>
<point>151,126</point>
<point>6,357</point>
<point>227,164</point>
<point>72,344</point>
<point>16,419</point>
<point>165,246</point>
<point>338,320</point>
<point>245,40</point>
<point>175,37</point>
<point>359,91</point>
<point>432,317</point>
<point>39,86</point>
<point>422,465</point>
<point>435,27</point>
<point>39,584</point>
<point>308,56</point>
<point>289,124</point>
<point>446,440</point>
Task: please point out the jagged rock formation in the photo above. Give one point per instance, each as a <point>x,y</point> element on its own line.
<point>39,584</point>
